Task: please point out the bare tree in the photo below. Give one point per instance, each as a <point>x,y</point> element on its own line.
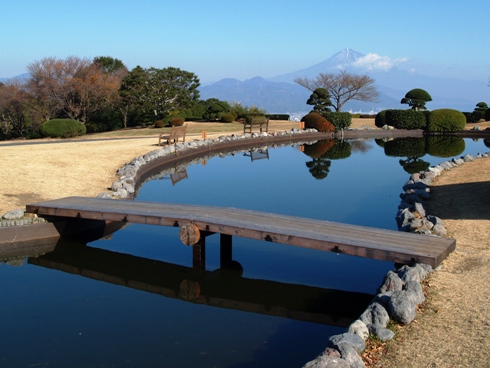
<point>14,114</point>
<point>74,86</point>
<point>342,86</point>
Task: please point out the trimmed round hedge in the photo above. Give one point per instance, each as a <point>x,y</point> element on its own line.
<point>228,118</point>
<point>445,120</point>
<point>63,128</point>
<point>380,119</point>
<point>176,121</point>
<point>406,119</point>
<point>314,120</point>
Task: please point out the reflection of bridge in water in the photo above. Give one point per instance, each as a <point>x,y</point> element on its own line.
<point>224,288</point>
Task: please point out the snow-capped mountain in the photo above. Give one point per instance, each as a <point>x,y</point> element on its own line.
<point>280,94</point>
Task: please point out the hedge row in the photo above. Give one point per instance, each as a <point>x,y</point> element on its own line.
<point>441,120</point>
<point>277,116</point>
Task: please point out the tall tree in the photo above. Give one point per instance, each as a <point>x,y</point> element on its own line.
<point>342,87</point>
<point>14,119</point>
<point>171,89</point>
<point>159,91</point>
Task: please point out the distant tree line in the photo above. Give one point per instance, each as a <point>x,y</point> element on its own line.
<point>103,95</point>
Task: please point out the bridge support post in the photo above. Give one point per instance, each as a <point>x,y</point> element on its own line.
<point>225,250</point>
<point>199,256</point>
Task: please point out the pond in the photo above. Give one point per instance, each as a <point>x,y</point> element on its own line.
<point>122,301</point>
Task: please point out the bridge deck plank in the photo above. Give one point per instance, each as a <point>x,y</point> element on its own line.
<point>354,240</point>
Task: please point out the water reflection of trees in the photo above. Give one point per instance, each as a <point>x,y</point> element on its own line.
<point>322,152</point>
<point>413,149</point>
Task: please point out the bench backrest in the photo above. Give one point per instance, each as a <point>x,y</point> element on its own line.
<point>178,132</point>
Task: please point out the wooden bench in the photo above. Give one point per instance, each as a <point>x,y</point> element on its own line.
<point>176,133</point>
<point>260,121</point>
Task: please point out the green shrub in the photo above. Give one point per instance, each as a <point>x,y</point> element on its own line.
<point>340,120</point>
<point>228,118</point>
<point>256,118</point>
<point>314,120</point>
<point>380,119</point>
<point>445,146</point>
<point>159,124</point>
<point>176,121</point>
<point>487,115</point>
<point>63,128</point>
<point>446,120</point>
<point>278,116</point>
<point>406,119</point>
<point>95,127</point>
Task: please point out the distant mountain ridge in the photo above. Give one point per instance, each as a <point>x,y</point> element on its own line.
<point>281,95</point>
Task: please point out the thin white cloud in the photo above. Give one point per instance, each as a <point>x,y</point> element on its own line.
<point>377,62</point>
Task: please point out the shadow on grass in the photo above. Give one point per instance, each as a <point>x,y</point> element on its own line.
<point>467,201</point>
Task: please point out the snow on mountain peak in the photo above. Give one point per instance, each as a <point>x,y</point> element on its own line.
<point>346,56</point>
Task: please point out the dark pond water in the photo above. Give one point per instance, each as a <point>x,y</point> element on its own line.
<point>119,302</point>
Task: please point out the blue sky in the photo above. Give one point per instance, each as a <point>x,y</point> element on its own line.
<point>247,38</point>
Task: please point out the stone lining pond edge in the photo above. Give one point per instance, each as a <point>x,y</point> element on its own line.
<point>401,291</point>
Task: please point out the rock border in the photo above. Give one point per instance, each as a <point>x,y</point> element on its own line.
<point>401,291</point>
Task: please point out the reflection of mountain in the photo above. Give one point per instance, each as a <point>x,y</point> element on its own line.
<point>281,95</point>
<point>221,288</point>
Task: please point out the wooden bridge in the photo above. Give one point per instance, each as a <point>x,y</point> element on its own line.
<point>387,245</point>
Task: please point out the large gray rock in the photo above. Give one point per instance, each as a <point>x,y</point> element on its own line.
<point>14,214</point>
<point>375,314</point>
<point>415,292</point>
<point>347,338</point>
<point>351,355</point>
<point>327,362</point>
<point>391,282</point>
<point>383,333</point>
<point>401,308</point>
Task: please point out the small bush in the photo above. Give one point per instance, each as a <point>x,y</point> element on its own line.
<point>63,128</point>
<point>340,120</point>
<point>446,120</point>
<point>314,120</point>
<point>159,124</point>
<point>95,127</point>
<point>487,115</point>
<point>406,119</point>
<point>176,121</point>
<point>380,119</point>
<point>227,118</point>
